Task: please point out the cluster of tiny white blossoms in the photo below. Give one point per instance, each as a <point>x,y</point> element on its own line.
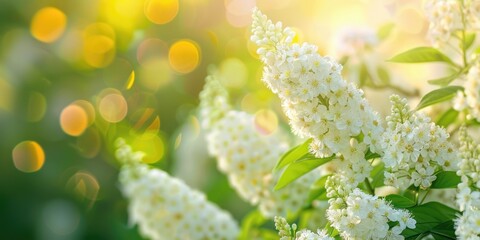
<point>414,148</point>
<point>468,196</point>
<point>247,157</point>
<point>446,17</point>
<point>357,215</point>
<point>470,97</point>
<point>315,98</point>
<point>286,232</point>
<point>165,207</point>
<point>213,102</point>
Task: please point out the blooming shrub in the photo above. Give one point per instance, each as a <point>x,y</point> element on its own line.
<point>349,154</point>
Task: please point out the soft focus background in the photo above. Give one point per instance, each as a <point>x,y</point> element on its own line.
<point>75,75</point>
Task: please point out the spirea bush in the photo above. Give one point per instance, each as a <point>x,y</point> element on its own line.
<point>355,174</point>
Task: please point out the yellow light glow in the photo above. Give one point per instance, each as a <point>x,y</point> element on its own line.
<point>28,156</point>
<point>155,73</point>
<point>113,107</point>
<point>73,120</point>
<point>48,24</point>
<point>151,144</point>
<point>266,121</point>
<point>233,73</point>
<point>161,11</point>
<point>130,81</point>
<point>99,45</point>
<point>184,56</point>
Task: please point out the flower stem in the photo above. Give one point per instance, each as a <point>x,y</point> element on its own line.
<point>369,186</point>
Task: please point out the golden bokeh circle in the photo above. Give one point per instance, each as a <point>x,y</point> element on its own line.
<point>74,120</point>
<point>28,156</point>
<point>161,11</point>
<point>184,56</point>
<point>48,24</point>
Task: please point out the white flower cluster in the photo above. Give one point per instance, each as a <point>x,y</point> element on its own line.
<point>448,16</point>
<point>286,231</point>
<point>357,215</point>
<point>470,97</point>
<point>318,102</point>
<point>247,157</point>
<point>164,207</point>
<point>213,102</point>
<point>468,196</point>
<point>315,98</point>
<point>414,148</point>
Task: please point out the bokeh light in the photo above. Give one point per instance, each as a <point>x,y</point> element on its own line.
<point>28,156</point>
<point>233,73</point>
<point>99,45</point>
<point>60,219</point>
<point>238,12</point>
<point>48,24</point>
<point>151,48</point>
<point>112,106</point>
<point>184,56</point>
<point>130,80</point>
<point>85,186</point>
<point>266,121</point>
<point>73,120</point>
<point>161,11</point>
<point>155,73</point>
<point>151,144</point>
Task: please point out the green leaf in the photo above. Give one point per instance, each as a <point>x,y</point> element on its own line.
<point>317,190</point>
<point>300,168</point>
<point>294,154</point>
<point>421,55</point>
<point>444,230</point>
<point>371,155</point>
<point>444,81</point>
<point>399,201</point>
<point>378,175</point>
<point>447,118</point>
<point>430,217</point>
<point>385,31</point>
<point>446,179</point>
<point>438,95</point>
<point>250,223</point>
<point>469,39</point>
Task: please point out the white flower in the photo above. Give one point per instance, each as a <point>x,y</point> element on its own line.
<point>357,215</point>
<point>164,207</point>
<point>286,232</point>
<point>414,147</point>
<point>445,18</point>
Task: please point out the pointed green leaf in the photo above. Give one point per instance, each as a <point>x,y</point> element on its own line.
<point>399,201</point>
<point>378,175</point>
<point>446,179</point>
<point>420,55</point>
<point>447,118</point>
<point>444,81</point>
<point>469,39</point>
<point>438,95</point>
<point>294,154</point>
<point>298,169</point>
<point>430,217</point>
<point>385,31</point>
